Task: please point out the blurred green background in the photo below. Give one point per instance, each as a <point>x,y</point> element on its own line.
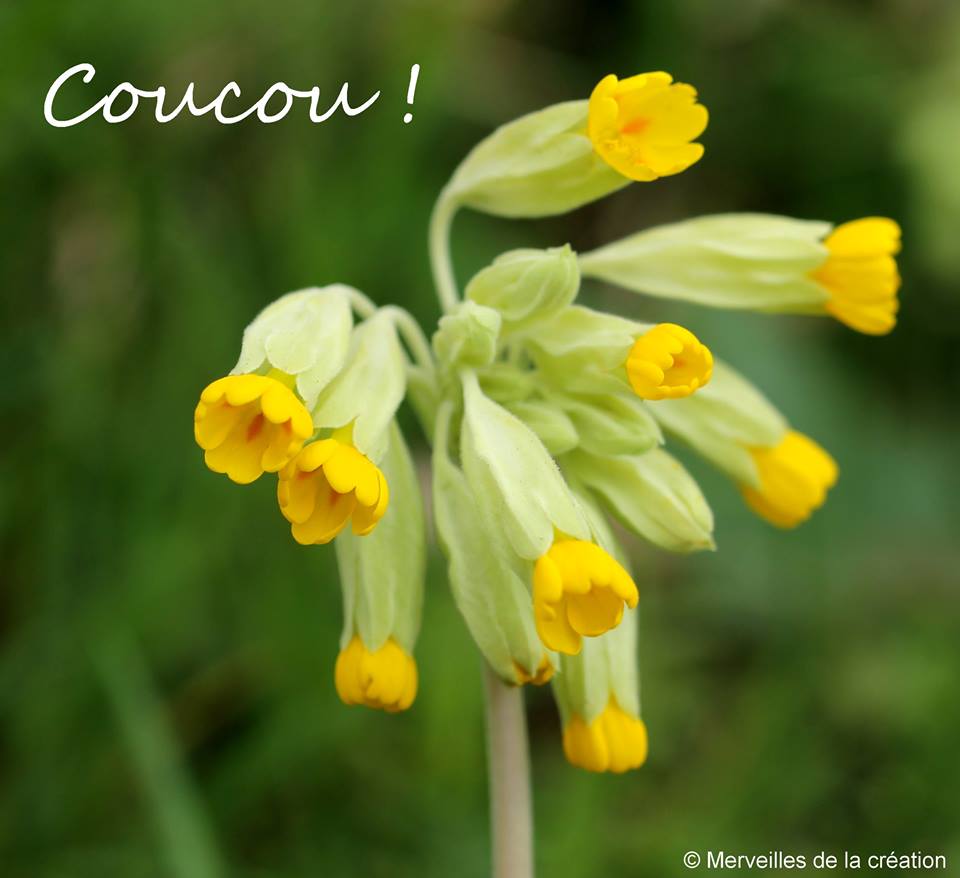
<point>166,651</point>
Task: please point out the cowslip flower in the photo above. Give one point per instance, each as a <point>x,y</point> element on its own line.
<point>381,576</point>
<point>643,125</point>
<point>326,486</point>
<point>765,263</point>
<point>794,476</point>
<point>546,418</point>
<point>250,424</point>
<point>861,276</point>
<point>579,591</point>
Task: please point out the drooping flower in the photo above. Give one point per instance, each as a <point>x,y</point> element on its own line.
<point>772,264</point>
<point>384,678</point>
<point>643,125</point>
<point>794,477</point>
<point>614,741</point>
<point>250,424</point>
<point>326,486</point>
<point>579,591</point>
<point>668,362</point>
<point>861,274</point>
<point>381,577</point>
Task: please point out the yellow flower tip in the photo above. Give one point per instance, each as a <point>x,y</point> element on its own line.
<point>668,362</point>
<point>578,591</point>
<point>328,484</point>
<point>542,674</point>
<point>384,679</point>
<point>642,126</point>
<point>248,425</point>
<point>794,479</point>
<point>861,276</point>
<point>615,741</point>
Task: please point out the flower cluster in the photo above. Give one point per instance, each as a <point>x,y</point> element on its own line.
<point>547,418</point>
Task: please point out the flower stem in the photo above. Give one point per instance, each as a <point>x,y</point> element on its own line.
<point>441,263</point>
<point>508,763</point>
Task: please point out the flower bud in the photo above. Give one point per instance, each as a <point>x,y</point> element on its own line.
<point>467,338</point>
<point>611,423</point>
<point>515,480</point>
<point>592,352</point>
<point>369,389</point>
<point>488,579</point>
<point>526,286</point>
<point>304,334</point>
<point>382,580</point>
<point>651,494</point>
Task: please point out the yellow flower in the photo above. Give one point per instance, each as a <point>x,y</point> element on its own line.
<point>861,274</point>
<point>794,479</point>
<point>642,126</point>
<point>578,591</point>
<point>385,679</point>
<point>543,674</point>
<point>668,362</point>
<point>614,741</point>
<point>325,486</point>
<point>248,425</point>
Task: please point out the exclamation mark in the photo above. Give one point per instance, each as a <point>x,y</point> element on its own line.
<point>411,91</point>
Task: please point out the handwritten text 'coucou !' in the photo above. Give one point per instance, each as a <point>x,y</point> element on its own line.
<point>128,96</point>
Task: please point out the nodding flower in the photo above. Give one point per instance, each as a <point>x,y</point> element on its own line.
<point>643,126</point>
<point>794,476</point>
<point>861,276</point>
<point>328,485</point>
<point>250,424</point>
<point>384,678</point>
<point>579,591</point>
<point>614,741</point>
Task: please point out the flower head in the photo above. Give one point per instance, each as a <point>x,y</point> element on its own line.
<point>250,424</point>
<point>668,362</point>
<point>794,476</point>
<point>861,274</point>
<point>325,486</point>
<point>578,591</point>
<point>642,126</point>
<point>383,678</point>
<point>614,741</point>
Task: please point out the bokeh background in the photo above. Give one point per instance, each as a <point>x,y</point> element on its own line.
<point>166,651</point>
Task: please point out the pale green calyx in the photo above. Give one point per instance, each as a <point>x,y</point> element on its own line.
<point>736,260</point>
<point>606,667</point>
<point>369,389</point>
<point>382,573</point>
<point>527,286</point>
<point>551,424</point>
<point>488,579</point>
<point>540,164</point>
<point>651,494</point>
<point>610,423</point>
<point>515,480</point>
<point>467,338</point>
<point>305,334</point>
<point>723,421</point>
